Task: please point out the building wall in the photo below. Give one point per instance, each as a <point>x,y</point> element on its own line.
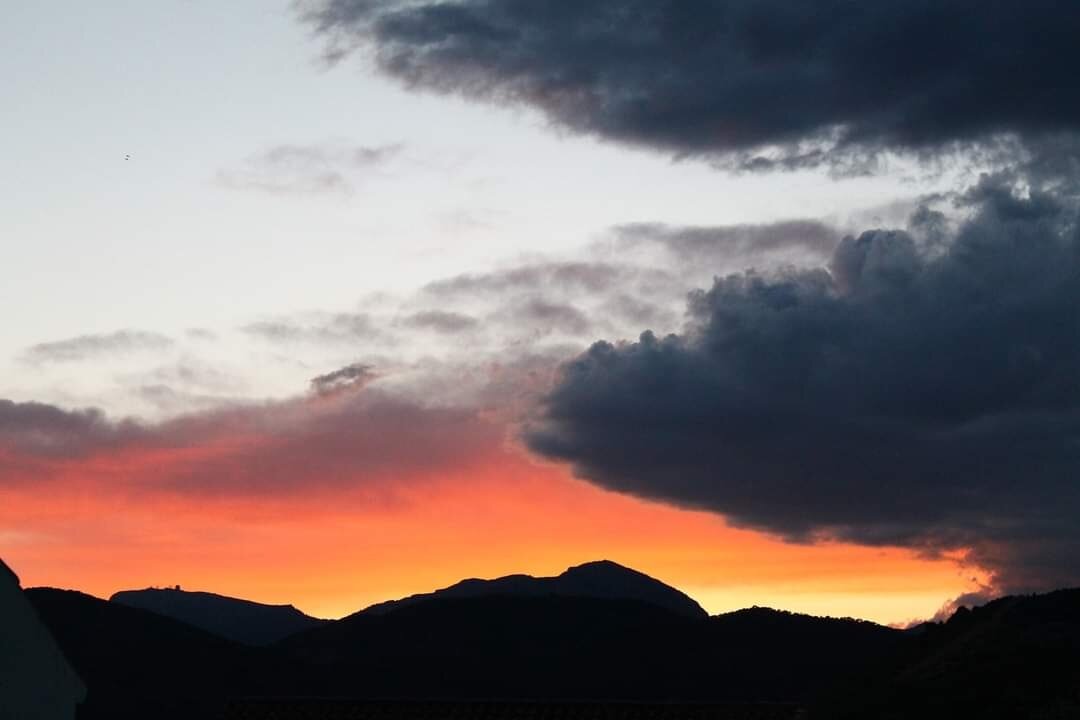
<point>36,681</point>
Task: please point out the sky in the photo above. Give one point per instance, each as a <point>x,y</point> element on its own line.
<point>331,302</point>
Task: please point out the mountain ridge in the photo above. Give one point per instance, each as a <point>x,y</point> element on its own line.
<point>1017,656</point>
<point>237,619</point>
<point>602,579</point>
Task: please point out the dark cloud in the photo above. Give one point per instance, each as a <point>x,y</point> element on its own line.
<point>42,430</point>
<point>757,84</point>
<point>922,391</point>
<point>88,346</point>
<point>306,168</point>
<point>350,377</point>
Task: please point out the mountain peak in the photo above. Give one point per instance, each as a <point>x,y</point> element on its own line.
<point>602,569</point>
<point>603,579</point>
<point>602,565</point>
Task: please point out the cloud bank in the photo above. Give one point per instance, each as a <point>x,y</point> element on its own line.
<point>921,391</point>
<point>747,83</point>
<point>342,436</point>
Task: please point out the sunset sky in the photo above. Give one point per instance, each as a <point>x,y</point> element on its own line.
<point>327,303</point>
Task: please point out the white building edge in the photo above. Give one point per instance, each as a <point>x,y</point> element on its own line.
<point>36,680</point>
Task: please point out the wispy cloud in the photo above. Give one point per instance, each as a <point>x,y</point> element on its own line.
<point>86,347</point>
<point>307,169</point>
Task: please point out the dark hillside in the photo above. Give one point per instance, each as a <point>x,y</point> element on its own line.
<point>244,621</point>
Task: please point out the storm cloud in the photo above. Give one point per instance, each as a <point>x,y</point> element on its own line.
<point>742,82</point>
<point>921,391</point>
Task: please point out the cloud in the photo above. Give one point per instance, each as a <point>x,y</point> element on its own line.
<point>350,377</point>
<point>328,440</point>
<point>305,169</point>
<point>169,400</point>
<point>319,328</point>
<point>965,600</point>
<point>85,347</point>
<point>183,386</point>
<point>921,391</point>
<point>714,249</point>
<point>441,321</point>
<point>558,276</point>
<point>758,85</point>
<point>545,317</point>
<point>39,430</point>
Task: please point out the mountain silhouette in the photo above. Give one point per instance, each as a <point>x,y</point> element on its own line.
<point>581,648</point>
<point>540,646</point>
<point>1014,657</point>
<point>602,579</point>
<point>138,664</point>
<point>244,621</point>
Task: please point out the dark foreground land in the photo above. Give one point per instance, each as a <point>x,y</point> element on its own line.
<point>547,655</point>
<point>501,710</point>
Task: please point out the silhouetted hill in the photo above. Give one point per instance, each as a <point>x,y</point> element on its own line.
<point>599,579</point>
<point>240,620</point>
<point>1015,657</point>
<point>557,648</point>
<point>138,664</point>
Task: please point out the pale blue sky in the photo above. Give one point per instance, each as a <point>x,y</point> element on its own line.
<point>179,236</point>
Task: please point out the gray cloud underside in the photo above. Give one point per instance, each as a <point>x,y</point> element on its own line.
<point>349,377</point>
<point>922,391</point>
<point>90,346</point>
<point>441,321</point>
<point>635,276</point>
<point>690,249</point>
<point>350,438</point>
<point>763,84</point>
<point>327,328</point>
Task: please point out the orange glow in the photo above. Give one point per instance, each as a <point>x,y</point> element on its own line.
<point>94,526</point>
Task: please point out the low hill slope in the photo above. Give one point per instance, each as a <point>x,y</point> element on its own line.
<point>138,664</point>
<point>244,621</point>
<point>1015,657</point>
